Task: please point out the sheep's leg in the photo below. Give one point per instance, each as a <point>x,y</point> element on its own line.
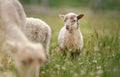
<point>72,54</point>
<point>75,54</point>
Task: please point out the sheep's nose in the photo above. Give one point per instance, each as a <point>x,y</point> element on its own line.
<point>67,27</point>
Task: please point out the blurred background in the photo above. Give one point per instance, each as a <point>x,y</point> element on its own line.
<point>47,6</point>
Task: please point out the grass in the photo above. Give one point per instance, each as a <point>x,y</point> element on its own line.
<point>100,56</point>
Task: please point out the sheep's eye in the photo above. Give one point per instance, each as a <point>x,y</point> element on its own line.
<point>74,21</point>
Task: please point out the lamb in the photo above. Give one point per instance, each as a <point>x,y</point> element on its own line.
<point>28,56</point>
<point>38,31</point>
<point>70,37</point>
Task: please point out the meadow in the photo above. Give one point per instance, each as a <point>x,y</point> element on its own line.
<point>100,56</point>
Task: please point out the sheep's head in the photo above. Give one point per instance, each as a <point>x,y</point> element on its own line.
<point>71,21</point>
<point>28,59</point>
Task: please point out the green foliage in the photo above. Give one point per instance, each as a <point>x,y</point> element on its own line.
<point>111,4</point>
<point>25,1</point>
<point>105,4</point>
<point>95,4</point>
<point>54,3</point>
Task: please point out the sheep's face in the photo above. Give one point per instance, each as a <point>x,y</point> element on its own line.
<point>71,21</point>
<point>28,59</point>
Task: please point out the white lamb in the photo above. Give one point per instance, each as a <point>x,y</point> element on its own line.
<point>70,36</point>
<point>28,56</point>
<point>38,31</point>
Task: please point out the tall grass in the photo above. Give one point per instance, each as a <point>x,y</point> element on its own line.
<point>100,56</point>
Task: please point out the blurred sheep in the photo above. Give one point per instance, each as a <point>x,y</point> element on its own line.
<point>38,31</point>
<point>28,56</point>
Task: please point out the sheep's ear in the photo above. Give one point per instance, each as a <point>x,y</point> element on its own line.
<point>61,16</point>
<point>80,16</point>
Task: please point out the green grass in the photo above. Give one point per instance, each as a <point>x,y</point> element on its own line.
<point>100,56</point>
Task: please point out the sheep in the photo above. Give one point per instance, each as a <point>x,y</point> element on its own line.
<point>28,56</point>
<point>70,37</point>
<point>37,30</point>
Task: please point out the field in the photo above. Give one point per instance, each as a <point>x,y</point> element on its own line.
<point>100,56</point>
